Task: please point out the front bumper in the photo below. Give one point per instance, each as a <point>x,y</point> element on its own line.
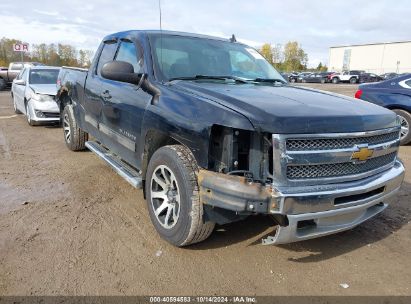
<point>311,211</point>
<point>44,111</point>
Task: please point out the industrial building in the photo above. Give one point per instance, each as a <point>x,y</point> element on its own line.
<point>378,58</point>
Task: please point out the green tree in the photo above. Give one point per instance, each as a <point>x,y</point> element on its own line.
<point>50,54</point>
<point>267,52</point>
<point>295,58</point>
<point>322,68</point>
<point>7,54</point>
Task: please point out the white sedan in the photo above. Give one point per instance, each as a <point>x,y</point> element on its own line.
<point>33,92</point>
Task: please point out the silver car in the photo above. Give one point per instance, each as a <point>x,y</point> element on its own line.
<point>33,92</point>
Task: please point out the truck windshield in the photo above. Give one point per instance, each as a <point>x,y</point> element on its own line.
<point>188,57</point>
<point>46,76</point>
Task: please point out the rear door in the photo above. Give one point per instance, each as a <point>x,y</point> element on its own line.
<point>19,90</point>
<point>95,85</point>
<point>124,105</point>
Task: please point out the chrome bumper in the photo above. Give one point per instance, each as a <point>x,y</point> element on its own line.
<point>336,218</point>
<point>327,209</point>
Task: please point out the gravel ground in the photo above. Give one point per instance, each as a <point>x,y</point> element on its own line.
<point>70,226</point>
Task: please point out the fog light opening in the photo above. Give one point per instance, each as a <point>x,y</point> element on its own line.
<point>306,224</point>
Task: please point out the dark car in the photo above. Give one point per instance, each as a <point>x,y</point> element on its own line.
<point>214,134</point>
<point>394,94</point>
<point>317,77</point>
<point>302,75</point>
<point>293,77</point>
<point>386,76</point>
<point>369,77</point>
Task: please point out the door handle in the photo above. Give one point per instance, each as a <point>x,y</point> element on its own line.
<point>106,95</point>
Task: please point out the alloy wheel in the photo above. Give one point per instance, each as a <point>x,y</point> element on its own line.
<point>66,128</point>
<point>405,127</point>
<point>165,196</point>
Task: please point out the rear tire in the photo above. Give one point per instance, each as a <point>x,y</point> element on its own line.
<point>74,137</point>
<point>405,126</point>
<point>335,80</point>
<point>173,198</point>
<point>353,80</point>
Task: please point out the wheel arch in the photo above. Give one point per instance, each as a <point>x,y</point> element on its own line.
<point>153,141</point>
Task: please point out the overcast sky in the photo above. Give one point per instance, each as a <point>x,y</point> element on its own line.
<point>317,25</point>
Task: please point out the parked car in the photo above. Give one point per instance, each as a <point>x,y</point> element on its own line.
<point>7,75</point>
<point>316,78</point>
<point>214,134</point>
<point>386,76</point>
<point>394,94</point>
<point>369,77</point>
<point>302,75</point>
<point>293,77</point>
<point>33,92</point>
<point>347,76</point>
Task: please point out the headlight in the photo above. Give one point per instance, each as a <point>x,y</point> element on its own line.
<point>41,97</point>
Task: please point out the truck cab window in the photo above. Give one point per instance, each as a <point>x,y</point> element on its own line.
<point>129,53</point>
<point>107,54</point>
<point>16,66</point>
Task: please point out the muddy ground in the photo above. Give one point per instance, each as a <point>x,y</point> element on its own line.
<point>70,226</point>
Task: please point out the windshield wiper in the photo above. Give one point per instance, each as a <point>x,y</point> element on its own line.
<point>269,80</point>
<point>199,77</point>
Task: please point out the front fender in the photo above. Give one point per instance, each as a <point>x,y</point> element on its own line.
<point>188,120</point>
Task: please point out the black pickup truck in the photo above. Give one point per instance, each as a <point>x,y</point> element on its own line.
<point>213,134</point>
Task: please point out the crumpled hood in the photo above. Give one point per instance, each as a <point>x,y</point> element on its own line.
<point>46,89</point>
<point>289,109</point>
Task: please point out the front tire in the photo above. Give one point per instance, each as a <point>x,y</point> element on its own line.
<point>30,121</point>
<point>405,118</point>
<point>335,80</point>
<point>74,137</point>
<point>353,80</point>
<point>173,198</point>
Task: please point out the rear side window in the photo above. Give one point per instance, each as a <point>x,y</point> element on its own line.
<point>107,54</point>
<point>408,83</point>
<point>129,53</point>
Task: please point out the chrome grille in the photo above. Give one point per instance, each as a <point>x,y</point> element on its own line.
<point>314,159</point>
<point>338,143</point>
<point>339,169</point>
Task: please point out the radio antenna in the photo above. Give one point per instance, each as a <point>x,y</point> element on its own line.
<point>159,9</point>
<point>161,37</point>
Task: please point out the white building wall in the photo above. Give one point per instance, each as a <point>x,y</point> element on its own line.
<point>373,58</point>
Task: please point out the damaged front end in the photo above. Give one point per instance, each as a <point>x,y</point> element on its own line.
<point>310,184</point>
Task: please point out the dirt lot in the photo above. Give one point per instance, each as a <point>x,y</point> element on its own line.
<point>70,226</point>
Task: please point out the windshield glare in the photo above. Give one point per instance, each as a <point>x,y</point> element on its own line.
<point>178,56</point>
<point>46,76</point>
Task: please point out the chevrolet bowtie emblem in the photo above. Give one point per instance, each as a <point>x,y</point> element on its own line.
<point>362,155</point>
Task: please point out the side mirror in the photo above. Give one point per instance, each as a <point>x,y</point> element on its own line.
<point>20,82</point>
<point>120,71</point>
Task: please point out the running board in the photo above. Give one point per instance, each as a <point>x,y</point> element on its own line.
<point>125,171</point>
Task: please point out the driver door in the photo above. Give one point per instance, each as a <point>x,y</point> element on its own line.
<point>124,106</point>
